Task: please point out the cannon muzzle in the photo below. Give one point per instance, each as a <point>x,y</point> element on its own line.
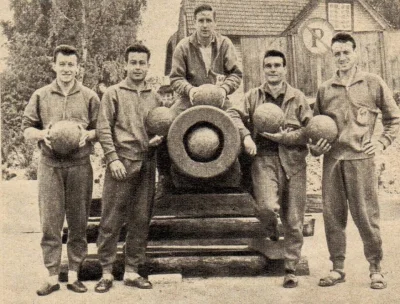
<point>203,142</point>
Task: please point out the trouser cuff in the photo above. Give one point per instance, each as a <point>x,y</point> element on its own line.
<point>290,266</point>
<point>374,267</point>
<point>338,265</point>
<point>53,271</point>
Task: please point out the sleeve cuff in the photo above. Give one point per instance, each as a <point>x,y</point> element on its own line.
<point>226,88</point>
<point>245,133</point>
<point>385,142</point>
<point>112,156</point>
<point>188,88</point>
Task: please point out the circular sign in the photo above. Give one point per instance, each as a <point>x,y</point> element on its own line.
<point>316,35</point>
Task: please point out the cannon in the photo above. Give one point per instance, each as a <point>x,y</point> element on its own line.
<point>204,145</point>
<point>204,221</point>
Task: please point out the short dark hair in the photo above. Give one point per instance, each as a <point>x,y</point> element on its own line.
<point>343,38</point>
<point>65,50</point>
<point>165,89</point>
<point>204,7</point>
<point>137,48</point>
<point>275,53</point>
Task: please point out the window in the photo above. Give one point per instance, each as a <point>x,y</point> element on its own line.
<point>340,16</point>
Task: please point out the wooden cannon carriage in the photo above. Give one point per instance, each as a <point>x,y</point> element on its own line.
<point>204,222</point>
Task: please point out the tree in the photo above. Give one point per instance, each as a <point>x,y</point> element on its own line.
<point>100,29</point>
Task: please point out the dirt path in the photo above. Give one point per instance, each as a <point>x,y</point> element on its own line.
<point>22,269</point>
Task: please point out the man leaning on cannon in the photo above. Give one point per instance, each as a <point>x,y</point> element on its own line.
<point>278,168</point>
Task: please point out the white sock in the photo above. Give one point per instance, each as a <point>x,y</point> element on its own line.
<point>52,280</point>
<point>108,276</point>
<point>131,275</point>
<point>72,276</point>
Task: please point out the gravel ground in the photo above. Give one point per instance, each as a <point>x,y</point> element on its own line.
<point>22,268</point>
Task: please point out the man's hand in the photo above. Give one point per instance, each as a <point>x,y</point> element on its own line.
<point>249,146</point>
<point>192,92</point>
<point>278,136</point>
<point>84,136</point>
<point>321,147</point>
<point>46,136</point>
<point>223,93</point>
<point>370,148</point>
<point>155,141</point>
<point>36,135</point>
<point>118,170</point>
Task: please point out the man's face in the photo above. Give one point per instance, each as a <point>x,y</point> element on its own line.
<point>137,66</point>
<point>102,87</point>
<point>344,55</point>
<point>274,70</point>
<point>205,24</point>
<point>168,99</point>
<point>66,68</point>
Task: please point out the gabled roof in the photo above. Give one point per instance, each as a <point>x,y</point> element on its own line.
<point>314,3</point>
<point>261,17</point>
<point>241,17</point>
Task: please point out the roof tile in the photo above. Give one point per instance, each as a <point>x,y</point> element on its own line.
<point>242,17</point>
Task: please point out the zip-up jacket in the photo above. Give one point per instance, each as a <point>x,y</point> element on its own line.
<point>121,123</point>
<point>49,105</point>
<point>355,109</point>
<point>188,68</point>
<point>293,147</point>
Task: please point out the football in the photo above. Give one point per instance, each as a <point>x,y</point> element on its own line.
<point>321,126</point>
<point>203,144</point>
<point>208,95</point>
<point>65,136</point>
<point>268,117</point>
<point>159,120</point>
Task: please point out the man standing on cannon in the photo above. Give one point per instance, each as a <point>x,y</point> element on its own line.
<point>278,168</point>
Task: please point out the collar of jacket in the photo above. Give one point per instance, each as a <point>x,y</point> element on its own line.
<point>289,94</point>
<point>123,85</point>
<point>358,77</point>
<point>55,88</point>
<point>216,39</point>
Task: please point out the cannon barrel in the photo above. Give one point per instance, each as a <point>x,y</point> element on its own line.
<point>203,142</point>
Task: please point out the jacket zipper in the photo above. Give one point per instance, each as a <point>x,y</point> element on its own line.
<point>65,107</point>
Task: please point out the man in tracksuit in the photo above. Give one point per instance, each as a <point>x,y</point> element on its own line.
<point>204,57</point>
<point>278,168</point>
<point>130,175</point>
<point>353,99</point>
<point>65,181</point>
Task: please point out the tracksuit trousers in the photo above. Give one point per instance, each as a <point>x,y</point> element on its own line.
<point>129,201</point>
<point>351,184</point>
<point>276,194</point>
<point>64,192</point>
